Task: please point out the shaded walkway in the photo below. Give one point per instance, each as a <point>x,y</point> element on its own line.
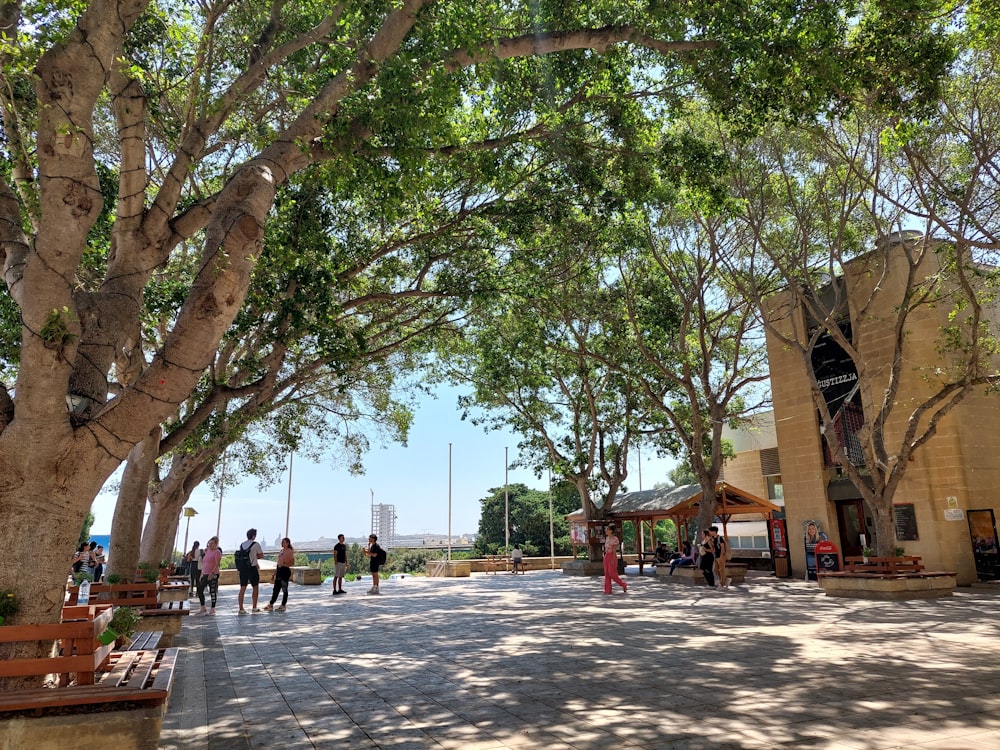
<point>547,661</point>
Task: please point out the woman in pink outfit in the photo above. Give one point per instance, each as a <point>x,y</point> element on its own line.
<point>611,545</point>
<point>209,575</point>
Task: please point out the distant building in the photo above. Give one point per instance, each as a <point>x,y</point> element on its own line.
<point>384,524</point>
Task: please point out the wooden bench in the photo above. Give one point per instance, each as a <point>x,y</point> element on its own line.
<point>134,677</point>
<point>157,616</point>
<point>77,641</point>
<point>492,563</point>
<point>120,594</point>
<point>887,565</point>
<point>146,640</point>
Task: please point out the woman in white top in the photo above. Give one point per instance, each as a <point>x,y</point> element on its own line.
<point>611,545</point>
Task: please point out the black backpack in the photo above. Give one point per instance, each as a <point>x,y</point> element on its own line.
<point>381,557</point>
<point>242,557</point>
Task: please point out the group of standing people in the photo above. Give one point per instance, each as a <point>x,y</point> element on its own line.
<point>713,554</point>
<point>90,558</point>
<point>376,559</point>
<point>248,556</point>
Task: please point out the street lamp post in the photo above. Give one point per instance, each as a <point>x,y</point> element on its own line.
<point>552,531</point>
<point>189,513</point>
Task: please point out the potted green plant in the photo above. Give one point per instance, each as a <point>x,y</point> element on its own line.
<point>147,572</point>
<point>113,578</point>
<point>124,623</point>
<point>9,605</point>
<point>899,551</point>
<point>82,575</point>
<point>867,552</point>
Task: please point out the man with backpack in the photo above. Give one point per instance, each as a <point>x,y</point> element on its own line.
<point>376,559</point>
<point>247,558</point>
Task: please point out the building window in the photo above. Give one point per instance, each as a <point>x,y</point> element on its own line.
<point>775,491</point>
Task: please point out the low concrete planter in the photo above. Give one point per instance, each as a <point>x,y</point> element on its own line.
<point>306,576</point>
<point>925,585</point>
<point>583,568</point>
<point>445,569</point>
<point>692,576</point>
<point>174,593</point>
<point>125,729</point>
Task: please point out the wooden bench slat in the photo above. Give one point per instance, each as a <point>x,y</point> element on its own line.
<point>165,670</point>
<point>118,674</point>
<point>41,698</point>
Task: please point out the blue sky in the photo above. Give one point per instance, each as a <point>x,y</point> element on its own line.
<point>326,501</point>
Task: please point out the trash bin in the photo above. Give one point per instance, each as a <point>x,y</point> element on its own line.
<point>782,568</point>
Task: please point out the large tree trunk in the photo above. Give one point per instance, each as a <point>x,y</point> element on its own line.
<point>166,502</point>
<point>48,479</point>
<point>126,526</point>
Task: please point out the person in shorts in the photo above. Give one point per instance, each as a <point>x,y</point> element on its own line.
<point>339,565</point>
<point>250,572</point>
<point>374,554</point>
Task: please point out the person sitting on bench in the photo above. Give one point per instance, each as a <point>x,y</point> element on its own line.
<point>685,560</point>
<point>662,555</point>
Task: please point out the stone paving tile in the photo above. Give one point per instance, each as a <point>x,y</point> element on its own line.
<point>546,661</point>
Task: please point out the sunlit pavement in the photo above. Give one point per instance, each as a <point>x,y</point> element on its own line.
<point>548,661</point>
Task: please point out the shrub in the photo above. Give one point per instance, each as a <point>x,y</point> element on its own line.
<point>9,605</point>
<point>125,621</point>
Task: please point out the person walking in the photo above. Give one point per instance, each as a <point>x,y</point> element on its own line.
<point>376,559</point>
<point>339,565</point>
<point>211,560</point>
<point>283,574</point>
<point>706,557</point>
<point>248,556</point>
<point>611,546</point>
<point>193,562</point>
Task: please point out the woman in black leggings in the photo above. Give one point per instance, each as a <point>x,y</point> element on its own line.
<point>706,561</point>
<point>286,558</point>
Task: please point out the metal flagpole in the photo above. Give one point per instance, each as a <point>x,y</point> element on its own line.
<point>552,533</point>
<point>449,502</point>
<point>506,506</point>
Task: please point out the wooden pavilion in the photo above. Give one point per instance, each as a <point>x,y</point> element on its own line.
<point>680,505</point>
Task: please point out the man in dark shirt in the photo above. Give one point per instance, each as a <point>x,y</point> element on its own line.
<point>339,565</point>
<point>374,554</point>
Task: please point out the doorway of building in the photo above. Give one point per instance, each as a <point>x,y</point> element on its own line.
<point>985,545</point>
<point>851,523</point>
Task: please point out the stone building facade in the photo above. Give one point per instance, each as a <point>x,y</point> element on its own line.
<point>946,505</point>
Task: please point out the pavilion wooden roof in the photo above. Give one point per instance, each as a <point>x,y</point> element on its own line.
<point>684,502</point>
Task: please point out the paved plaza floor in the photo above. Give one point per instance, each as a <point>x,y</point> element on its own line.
<point>548,661</point>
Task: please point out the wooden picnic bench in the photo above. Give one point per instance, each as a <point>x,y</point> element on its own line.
<point>492,563</point>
